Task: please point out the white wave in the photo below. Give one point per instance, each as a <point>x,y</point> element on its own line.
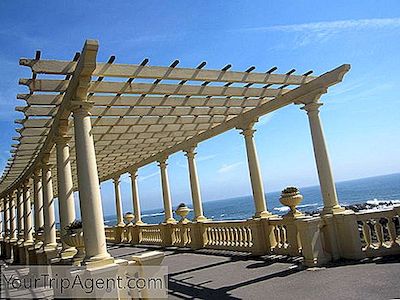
<point>307,205</point>
<point>153,215</point>
<point>380,202</point>
<point>281,208</point>
<point>285,208</point>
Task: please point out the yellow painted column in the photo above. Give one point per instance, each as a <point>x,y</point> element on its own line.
<point>48,207</point>
<point>28,229</point>
<point>65,186</point>
<point>168,217</point>
<point>12,218</point>
<point>135,198</point>
<point>6,221</point>
<point>255,173</point>
<point>194,186</point>
<point>118,202</point>
<point>20,214</point>
<point>325,175</point>
<point>37,202</point>
<point>88,185</point>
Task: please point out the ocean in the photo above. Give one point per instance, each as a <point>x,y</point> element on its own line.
<point>367,190</point>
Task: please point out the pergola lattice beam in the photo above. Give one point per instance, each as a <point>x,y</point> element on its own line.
<point>310,91</point>
<point>136,123</point>
<point>165,73</point>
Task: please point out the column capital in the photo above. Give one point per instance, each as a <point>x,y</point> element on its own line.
<point>312,107</point>
<point>191,152</point>
<point>79,107</point>
<point>247,128</point>
<point>133,173</point>
<point>162,163</point>
<point>116,179</point>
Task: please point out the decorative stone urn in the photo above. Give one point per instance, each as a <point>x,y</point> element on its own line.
<point>129,217</point>
<point>182,211</point>
<point>74,238</point>
<point>291,197</point>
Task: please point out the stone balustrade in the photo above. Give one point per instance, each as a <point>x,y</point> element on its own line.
<point>379,232</point>
<point>313,238</point>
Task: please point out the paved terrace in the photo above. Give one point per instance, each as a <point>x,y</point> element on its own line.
<point>208,274</point>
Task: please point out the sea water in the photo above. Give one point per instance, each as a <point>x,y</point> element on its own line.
<point>367,190</point>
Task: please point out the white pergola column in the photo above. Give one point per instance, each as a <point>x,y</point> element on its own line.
<point>48,207</point>
<point>6,219</point>
<point>118,202</point>
<point>38,203</point>
<point>168,217</point>
<point>12,218</point>
<point>28,229</point>
<point>325,175</point>
<point>194,186</point>
<point>88,185</point>
<point>255,173</point>
<point>135,198</point>
<point>65,187</point>
<point>20,214</point>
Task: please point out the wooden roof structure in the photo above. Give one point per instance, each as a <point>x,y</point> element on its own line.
<point>143,113</point>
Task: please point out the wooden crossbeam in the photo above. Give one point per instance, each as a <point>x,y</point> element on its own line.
<point>48,100</point>
<point>47,85</point>
<point>166,73</point>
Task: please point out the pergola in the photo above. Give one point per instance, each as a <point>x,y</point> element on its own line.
<point>96,121</point>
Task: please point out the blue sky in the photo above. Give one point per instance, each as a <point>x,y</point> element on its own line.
<point>361,116</point>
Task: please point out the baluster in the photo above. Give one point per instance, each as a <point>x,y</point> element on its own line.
<point>240,229</point>
<point>282,237</point>
<point>244,231</point>
<point>366,233</point>
<point>231,237</point>
<point>236,237</point>
<point>277,236</point>
<point>224,237</point>
<point>250,235</point>
<point>379,233</point>
<point>392,232</point>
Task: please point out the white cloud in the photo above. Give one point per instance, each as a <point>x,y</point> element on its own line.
<point>151,175</point>
<point>307,33</point>
<point>331,26</point>
<point>229,168</point>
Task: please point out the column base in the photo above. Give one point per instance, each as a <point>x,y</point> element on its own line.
<point>46,254</point>
<point>68,253</point>
<point>139,223</point>
<point>337,209</point>
<point>200,219</point>
<point>263,215</point>
<point>170,221</point>
<point>98,260</point>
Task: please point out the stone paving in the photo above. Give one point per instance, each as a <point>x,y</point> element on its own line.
<point>223,275</point>
<point>208,274</point>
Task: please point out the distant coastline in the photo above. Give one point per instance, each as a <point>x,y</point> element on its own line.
<point>369,190</point>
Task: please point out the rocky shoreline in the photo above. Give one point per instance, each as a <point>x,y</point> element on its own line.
<point>361,206</point>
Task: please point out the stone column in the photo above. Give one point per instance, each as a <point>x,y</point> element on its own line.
<point>65,190</point>
<point>325,175</point>
<point>135,198</point>
<point>38,203</point>
<point>20,214</point>
<point>48,207</point>
<point>6,220</point>
<point>168,218</point>
<point>12,218</point>
<point>88,185</point>
<point>194,186</point>
<point>255,173</point>
<point>28,237</point>
<point>118,203</point>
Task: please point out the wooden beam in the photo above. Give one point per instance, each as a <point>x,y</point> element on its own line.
<point>166,73</point>
<point>48,85</point>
